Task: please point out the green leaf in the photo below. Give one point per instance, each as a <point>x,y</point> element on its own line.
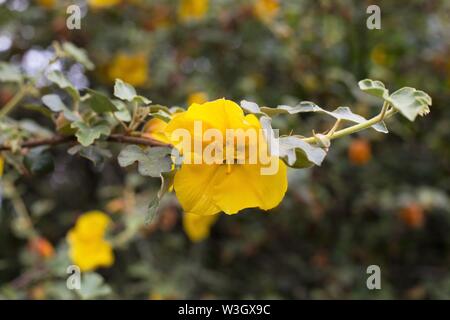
<point>300,154</point>
<point>250,107</point>
<point>124,91</point>
<point>86,135</point>
<point>167,179</point>
<point>374,87</point>
<point>123,114</point>
<point>94,153</point>
<point>152,210</point>
<point>151,161</point>
<point>343,113</point>
<point>10,73</point>
<point>55,104</point>
<point>292,149</point>
<point>100,103</point>
<point>77,54</point>
<point>39,160</point>
<point>410,102</point>
<point>60,79</point>
<point>93,286</point>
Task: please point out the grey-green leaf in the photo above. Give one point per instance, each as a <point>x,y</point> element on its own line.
<point>123,114</point>
<point>124,91</point>
<point>410,102</point>
<point>78,55</point>
<point>374,87</point>
<point>10,73</point>
<point>60,79</point>
<point>93,286</point>
<point>86,135</point>
<point>100,103</point>
<point>151,161</point>
<point>55,104</point>
<point>292,147</point>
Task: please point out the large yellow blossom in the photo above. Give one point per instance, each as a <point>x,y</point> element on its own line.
<point>191,10</point>
<point>207,189</point>
<point>88,248</point>
<point>198,227</point>
<point>131,68</point>
<point>100,4</point>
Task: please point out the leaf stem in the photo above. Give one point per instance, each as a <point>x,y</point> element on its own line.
<point>14,101</point>
<point>384,114</point>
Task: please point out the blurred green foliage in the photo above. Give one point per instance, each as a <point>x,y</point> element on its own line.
<point>391,209</point>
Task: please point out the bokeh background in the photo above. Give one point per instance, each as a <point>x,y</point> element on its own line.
<point>377,199</point>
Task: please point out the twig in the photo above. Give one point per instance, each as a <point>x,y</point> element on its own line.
<point>56,140</point>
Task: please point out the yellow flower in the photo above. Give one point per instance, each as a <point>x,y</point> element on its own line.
<point>48,4</point>
<point>191,10</point>
<point>100,4</point>
<point>206,189</point>
<point>197,97</point>
<point>266,10</point>
<point>2,165</point>
<point>131,68</point>
<point>154,129</point>
<point>198,227</point>
<point>88,248</point>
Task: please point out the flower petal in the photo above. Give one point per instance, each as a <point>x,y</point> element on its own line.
<point>245,187</point>
<point>193,185</point>
<point>198,227</point>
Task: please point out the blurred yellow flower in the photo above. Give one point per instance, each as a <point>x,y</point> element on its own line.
<point>191,10</point>
<point>197,97</point>
<point>48,4</point>
<point>100,4</point>
<point>207,189</point>
<point>2,165</point>
<point>266,10</point>
<point>198,227</point>
<point>154,129</point>
<point>131,68</point>
<point>379,55</point>
<point>88,248</point>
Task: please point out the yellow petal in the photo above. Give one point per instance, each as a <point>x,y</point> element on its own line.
<point>2,165</point>
<point>154,128</point>
<point>193,185</point>
<point>91,225</point>
<point>245,187</point>
<point>91,254</point>
<point>198,227</point>
<point>98,4</point>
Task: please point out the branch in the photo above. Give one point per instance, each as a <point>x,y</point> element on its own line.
<point>56,140</point>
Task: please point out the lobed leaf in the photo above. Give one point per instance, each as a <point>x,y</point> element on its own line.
<point>410,102</point>
<point>86,135</point>
<point>374,87</point>
<point>151,161</point>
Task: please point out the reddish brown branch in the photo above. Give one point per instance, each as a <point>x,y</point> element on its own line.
<point>56,140</point>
